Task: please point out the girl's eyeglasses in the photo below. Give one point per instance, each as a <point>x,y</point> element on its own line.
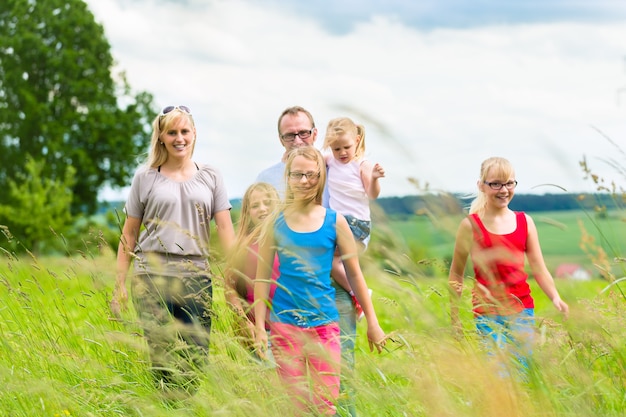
<point>170,109</point>
<point>310,176</point>
<point>498,185</point>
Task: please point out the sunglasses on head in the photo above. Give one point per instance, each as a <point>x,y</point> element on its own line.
<point>170,109</point>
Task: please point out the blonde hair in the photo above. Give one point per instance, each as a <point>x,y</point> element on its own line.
<point>317,192</point>
<point>498,167</point>
<point>341,126</point>
<point>158,154</point>
<point>312,154</point>
<point>247,234</point>
<point>247,230</point>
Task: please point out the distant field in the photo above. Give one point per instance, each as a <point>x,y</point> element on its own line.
<point>560,234</point>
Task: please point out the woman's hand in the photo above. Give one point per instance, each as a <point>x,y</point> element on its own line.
<point>119,301</point>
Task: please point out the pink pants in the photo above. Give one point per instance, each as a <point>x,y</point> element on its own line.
<point>309,363</point>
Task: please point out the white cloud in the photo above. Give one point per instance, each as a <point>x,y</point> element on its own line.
<point>434,103</point>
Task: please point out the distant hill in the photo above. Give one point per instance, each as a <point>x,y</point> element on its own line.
<point>451,203</point>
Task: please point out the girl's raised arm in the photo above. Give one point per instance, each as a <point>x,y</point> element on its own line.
<point>370,173</point>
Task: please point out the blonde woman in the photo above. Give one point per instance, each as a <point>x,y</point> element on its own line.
<point>166,233</point>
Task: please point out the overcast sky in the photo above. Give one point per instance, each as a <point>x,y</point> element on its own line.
<point>439,85</point>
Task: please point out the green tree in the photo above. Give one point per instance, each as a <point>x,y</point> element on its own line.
<point>62,103</point>
<point>40,207</point>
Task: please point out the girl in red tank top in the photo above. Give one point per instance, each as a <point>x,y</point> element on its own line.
<point>257,204</point>
<point>498,241</point>
<point>499,269</point>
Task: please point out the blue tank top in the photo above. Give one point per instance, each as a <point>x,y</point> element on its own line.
<point>304,295</point>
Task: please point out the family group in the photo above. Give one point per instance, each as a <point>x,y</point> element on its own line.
<point>292,273</point>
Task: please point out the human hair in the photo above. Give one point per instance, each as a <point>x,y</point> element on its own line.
<point>341,126</point>
<point>496,166</point>
<point>158,154</point>
<point>293,111</point>
<point>247,229</point>
<point>248,233</point>
<point>312,154</point>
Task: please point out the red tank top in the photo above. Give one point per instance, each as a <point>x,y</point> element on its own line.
<point>501,281</point>
<point>250,271</point>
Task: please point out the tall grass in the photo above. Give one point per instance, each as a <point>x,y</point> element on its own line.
<point>61,354</point>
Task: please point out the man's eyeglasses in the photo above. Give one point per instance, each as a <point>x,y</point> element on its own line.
<point>303,134</point>
<point>170,109</point>
<point>498,185</point>
<point>299,175</point>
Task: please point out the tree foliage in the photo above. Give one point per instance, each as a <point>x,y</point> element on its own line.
<point>62,103</point>
<point>41,206</point>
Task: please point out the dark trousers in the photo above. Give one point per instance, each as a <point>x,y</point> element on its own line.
<point>175,314</point>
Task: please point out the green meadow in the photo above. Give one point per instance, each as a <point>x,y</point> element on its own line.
<point>565,236</point>
<point>62,354</point>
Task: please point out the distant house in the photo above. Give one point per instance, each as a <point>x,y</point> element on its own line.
<point>572,271</point>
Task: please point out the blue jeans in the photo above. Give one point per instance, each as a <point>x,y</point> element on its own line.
<point>512,335</point>
<point>360,229</point>
<point>347,328</point>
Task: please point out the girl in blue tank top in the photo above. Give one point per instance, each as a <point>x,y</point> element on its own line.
<point>303,315</point>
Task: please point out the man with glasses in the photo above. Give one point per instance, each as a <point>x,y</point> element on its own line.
<point>295,128</point>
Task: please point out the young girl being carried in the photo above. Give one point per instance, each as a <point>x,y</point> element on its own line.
<point>352,183</point>
<point>259,201</point>
<point>303,316</point>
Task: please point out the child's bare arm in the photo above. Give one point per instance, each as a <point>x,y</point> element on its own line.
<point>369,176</point>
<point>540,270</point>
<point>348,250</point>
<point>457,267</point>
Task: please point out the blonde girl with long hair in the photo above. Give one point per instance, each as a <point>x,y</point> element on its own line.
<point>499,241</point>
<point>303,315</point>
<point>259,201</point>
